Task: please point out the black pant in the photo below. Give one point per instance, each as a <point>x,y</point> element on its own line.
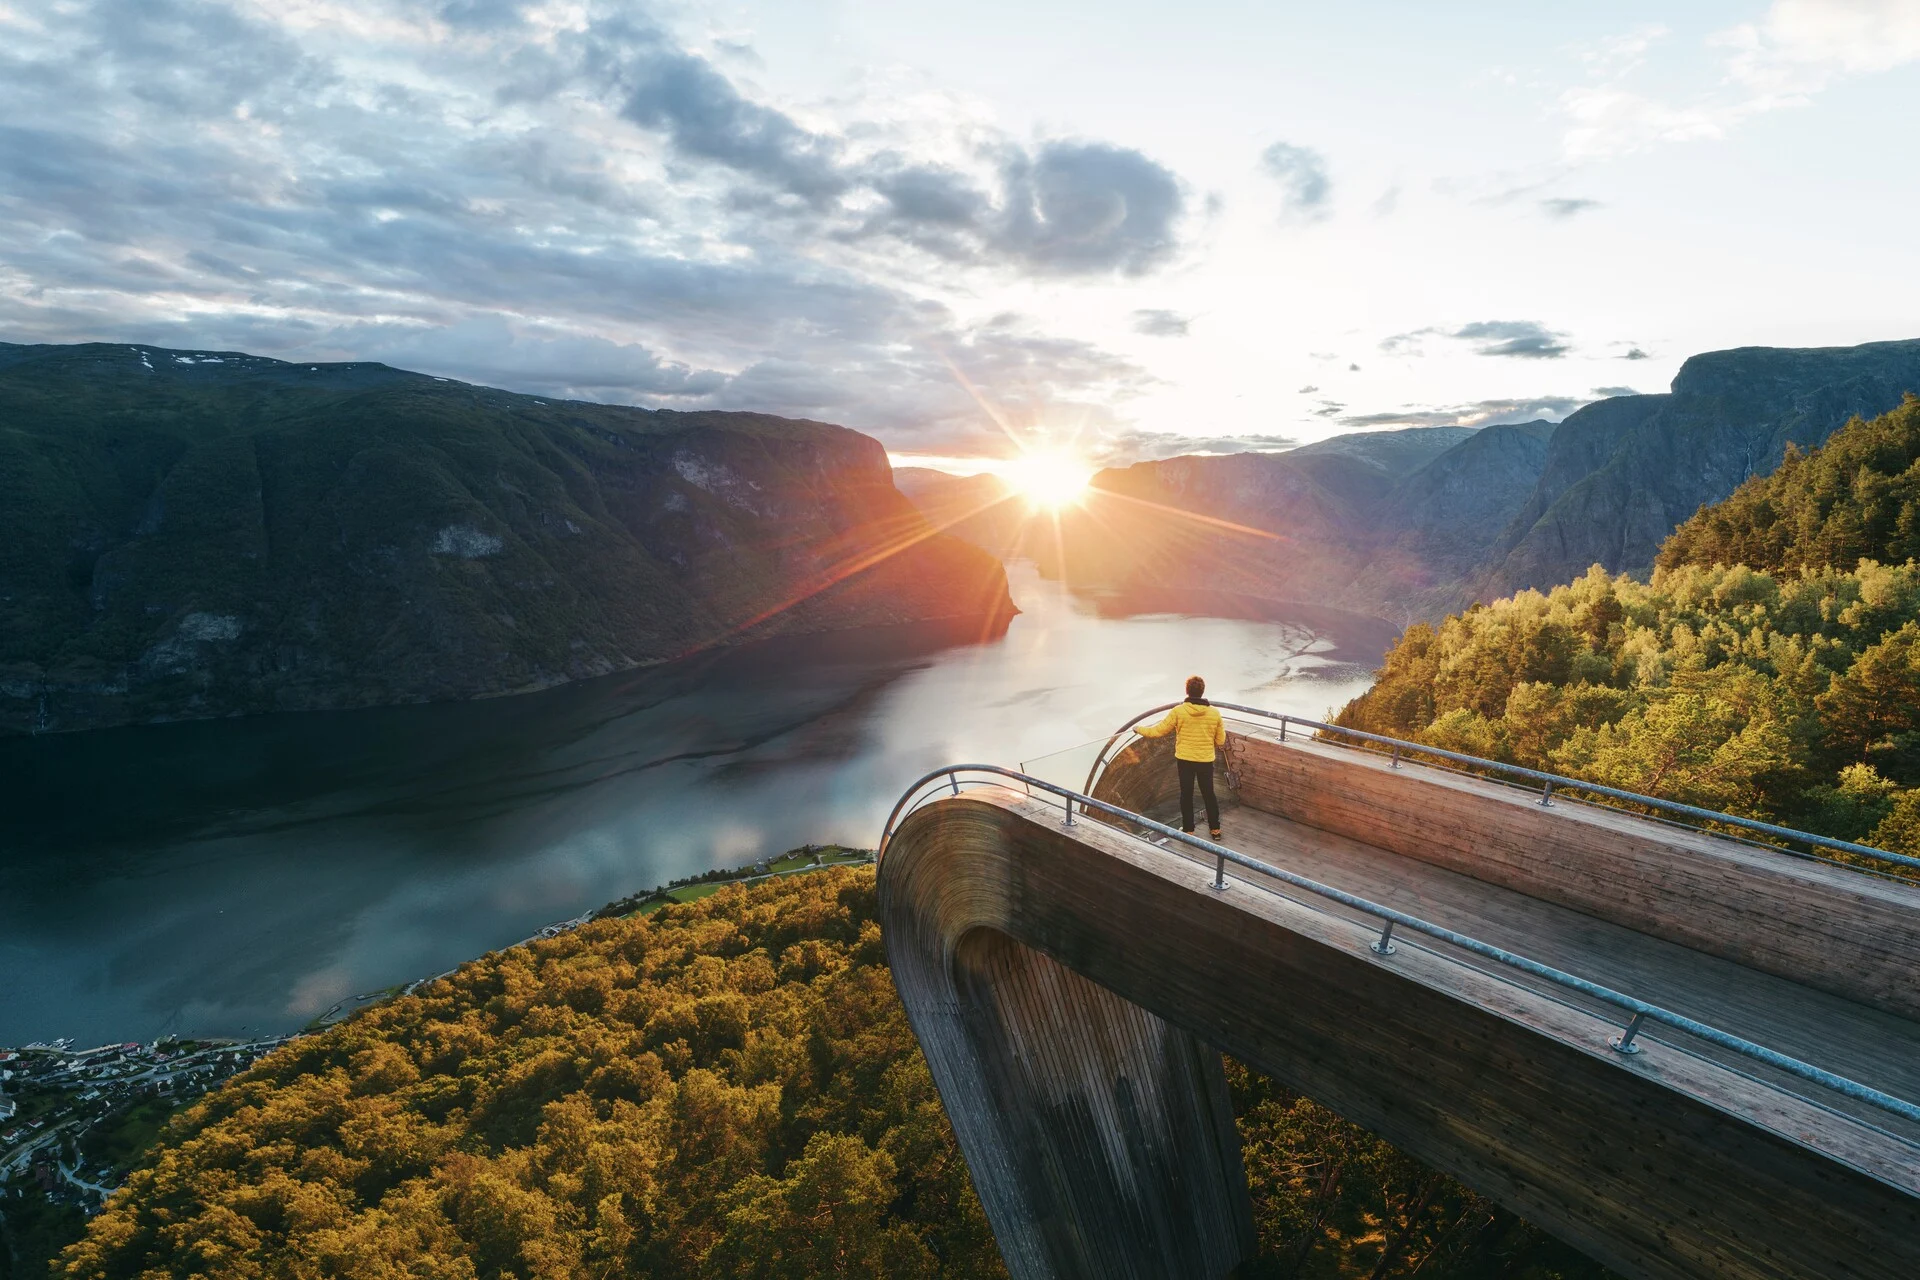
<point>1192,771</point>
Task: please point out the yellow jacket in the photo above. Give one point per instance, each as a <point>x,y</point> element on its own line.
<point>1197,731</point>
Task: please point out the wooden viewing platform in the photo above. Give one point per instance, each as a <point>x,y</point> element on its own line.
<point>1073,987</point>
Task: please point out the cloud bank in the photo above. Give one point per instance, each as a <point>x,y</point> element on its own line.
<point>565,199</point>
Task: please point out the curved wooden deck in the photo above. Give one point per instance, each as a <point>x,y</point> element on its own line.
<point>1073,986</point>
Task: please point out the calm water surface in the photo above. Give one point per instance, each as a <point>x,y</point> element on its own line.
<point>246,875</point>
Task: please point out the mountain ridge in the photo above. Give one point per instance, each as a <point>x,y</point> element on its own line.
<point>1729,416</point>
<point>188,534</point>
<point>1475,515</point>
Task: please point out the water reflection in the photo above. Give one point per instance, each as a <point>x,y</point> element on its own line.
<point>246,874</point>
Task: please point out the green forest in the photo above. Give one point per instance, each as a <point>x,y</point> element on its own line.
<point>724,1088</point>
<point>1787,689</point>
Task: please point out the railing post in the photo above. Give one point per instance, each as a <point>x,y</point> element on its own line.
<point>1283,728</point>
<point>1385,946</point>
<point>1069,803</point>
<point>1220,873</point>
<point>1396,756</point>
<point>954,778</point>
<point>1623,1043</point>
<point>1546,796</point>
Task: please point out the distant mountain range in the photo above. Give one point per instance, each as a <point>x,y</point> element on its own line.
<point>1414,524</point>
<point>188,534</point>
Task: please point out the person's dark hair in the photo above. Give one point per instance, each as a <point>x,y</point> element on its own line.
<point>1196,687</point>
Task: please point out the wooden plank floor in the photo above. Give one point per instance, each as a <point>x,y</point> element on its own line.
<point>1852,1040</point>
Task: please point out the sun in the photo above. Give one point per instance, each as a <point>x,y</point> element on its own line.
<point>1049,479</point>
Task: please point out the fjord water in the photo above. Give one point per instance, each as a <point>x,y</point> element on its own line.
<point>236,876</point>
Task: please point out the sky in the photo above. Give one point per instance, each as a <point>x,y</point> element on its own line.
<point>1133,229</point>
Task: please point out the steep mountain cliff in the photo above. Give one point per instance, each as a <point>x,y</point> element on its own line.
<point>1440,523</point>
<point>1623,473</point>
<point>1854,498</point>
<point>189,534</point>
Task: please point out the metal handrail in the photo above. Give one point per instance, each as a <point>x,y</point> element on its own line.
<point>1548,782</point>
<point>1641,1011</point>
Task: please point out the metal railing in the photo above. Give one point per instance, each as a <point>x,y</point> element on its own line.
<point>1548,784</point>
<point>947,780</point>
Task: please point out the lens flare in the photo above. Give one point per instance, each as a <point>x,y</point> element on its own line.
<point>1050,479</point>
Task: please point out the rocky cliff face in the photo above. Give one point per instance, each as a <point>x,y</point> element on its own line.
<point>1442,522</point>
<point>189,534</point>
<point>1622,474</point>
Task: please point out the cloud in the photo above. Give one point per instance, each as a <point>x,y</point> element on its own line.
<point>1089,207</point>
<point>1502,186</point>
<point>1161,324</point>
<point>1798,49</point>
<point>1308,390</point>
<point>1479,413</point>
<point>1122,447</point>
<point>1526,339</point>
<point>1066,208</point>
<point>530,357</point>
<point>1302,174</point>
<point>588,209</point>
<point>1566,207</point>
<point>482,14</point>
<point>708,118</point>
<point>1635,353</point>
<point>1607,393</point>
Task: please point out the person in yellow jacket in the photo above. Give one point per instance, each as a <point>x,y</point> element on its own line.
<point>1198,733</point>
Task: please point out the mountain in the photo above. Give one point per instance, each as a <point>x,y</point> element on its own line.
<point>1372,462</point>
<point>1409,525</point>
<point>1440,523</point>
<point>979,509</point>
<point>1362,522</point>
<point>1857,497</point>
<point>1623,473</point>
<point>188,534</point>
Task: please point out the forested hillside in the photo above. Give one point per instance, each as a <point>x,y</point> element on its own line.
<point>1855,498</point>
<point>1788,691</point>
<point>726,1089</point>
<point>188,534</point>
